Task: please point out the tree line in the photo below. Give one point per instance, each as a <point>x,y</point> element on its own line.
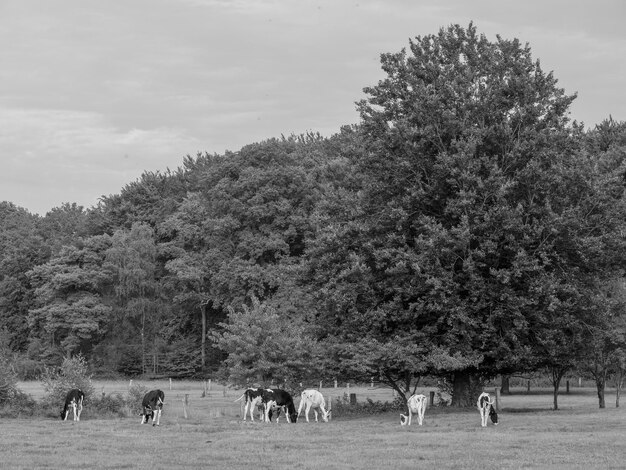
<point>464,229</point>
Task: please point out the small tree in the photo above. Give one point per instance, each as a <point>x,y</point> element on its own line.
<point>73,373</point>
<point>263,346</point>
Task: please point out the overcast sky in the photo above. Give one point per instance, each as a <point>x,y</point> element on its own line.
<point>94,92</point>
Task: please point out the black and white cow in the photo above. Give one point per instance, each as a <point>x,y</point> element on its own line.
<point>313,399</point>
<point>254,398</point>
<point>416,405</point>
<point>74,400</point>
<point>152,407</point>
<point>486,409</point>
<point>276,398</point>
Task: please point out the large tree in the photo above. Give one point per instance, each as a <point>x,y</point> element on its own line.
<point>452,229</point>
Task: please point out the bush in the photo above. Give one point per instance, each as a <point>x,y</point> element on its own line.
<point>113,405</point>
<point>73,373</point>
<point>343,407</point>
<point>20,405</point>
<point>135,397</point>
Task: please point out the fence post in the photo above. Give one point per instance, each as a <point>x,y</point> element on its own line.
<point>567,387</point>
<point>130,384</point>
<point>497,398</point>
<point>335,383</point>
<point>353,398</point>
<point>330,406</point>
<point>432,398</point>
<point>185,404</point>
<point>320,385</point>
<point>528,388</point>
<point>170,383</point>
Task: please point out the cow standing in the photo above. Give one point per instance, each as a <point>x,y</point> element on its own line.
<point>313,399</point>
<point>152,407</point>
<point>74,400</point>
<point>486,409</point>
<point>416,405</point>
<point>277,398</point>
<point>254,398</point>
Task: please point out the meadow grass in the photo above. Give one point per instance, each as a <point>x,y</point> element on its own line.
<point>529,435</point>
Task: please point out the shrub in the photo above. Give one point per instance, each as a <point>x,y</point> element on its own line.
<point>112,405</point>
<point>135,397</point>
<point>73,373</point>
<point>343,407</point>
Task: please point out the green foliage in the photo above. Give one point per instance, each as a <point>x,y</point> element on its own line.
<point>135,398</point>
<point>342,406</point>
<point>112,405</point>
<point>69,296</point>
<point>264,346</point>
<point>73,373</point>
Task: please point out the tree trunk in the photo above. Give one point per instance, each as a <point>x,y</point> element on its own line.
<point>619,382</point>
<point>557,375</point>
<point>461,389</point>
<point>505,388</point>
<point>203,351</point>
<point>600,386</point>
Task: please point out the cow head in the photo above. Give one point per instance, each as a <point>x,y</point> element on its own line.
<point>326,415</point>
<point>493,415</point>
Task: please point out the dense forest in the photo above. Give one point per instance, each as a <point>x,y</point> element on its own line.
<point>464,229</point>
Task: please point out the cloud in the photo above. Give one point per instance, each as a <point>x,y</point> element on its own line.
<point>55,156</point>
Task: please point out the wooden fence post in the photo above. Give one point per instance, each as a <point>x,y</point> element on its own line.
<point>432,399</point>
<point>185,404</point>
<point>528,389</point>
<point>353,398</point>
<point>330,406</point>
<point>170,383</point>
<point>335,383</point>
<point>567,387</point>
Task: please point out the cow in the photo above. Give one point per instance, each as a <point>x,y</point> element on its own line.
<point>313,399</point>
<point>73,399</point>
<point>254,398</point>
<point>277,398</point>
<point>416,404</point>
<point>152,407</point>
<point>486,409</point>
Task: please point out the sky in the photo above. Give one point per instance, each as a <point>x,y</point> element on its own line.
<point>93,93</point>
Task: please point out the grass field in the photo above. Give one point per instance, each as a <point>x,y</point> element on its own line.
<point>213,435</point>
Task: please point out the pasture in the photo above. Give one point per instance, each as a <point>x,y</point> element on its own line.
<point>213,435</point>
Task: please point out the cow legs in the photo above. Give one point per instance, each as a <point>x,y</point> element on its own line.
<point>156,416</point>
<point>420,414</point>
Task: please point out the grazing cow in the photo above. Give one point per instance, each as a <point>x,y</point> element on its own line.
<point>313,399</point>
<point>73,399</point>
<point>416,404</point>
<point>486,409</point>
<point>152,407</point>
<point>277,398</point>
<point>254,398</point>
